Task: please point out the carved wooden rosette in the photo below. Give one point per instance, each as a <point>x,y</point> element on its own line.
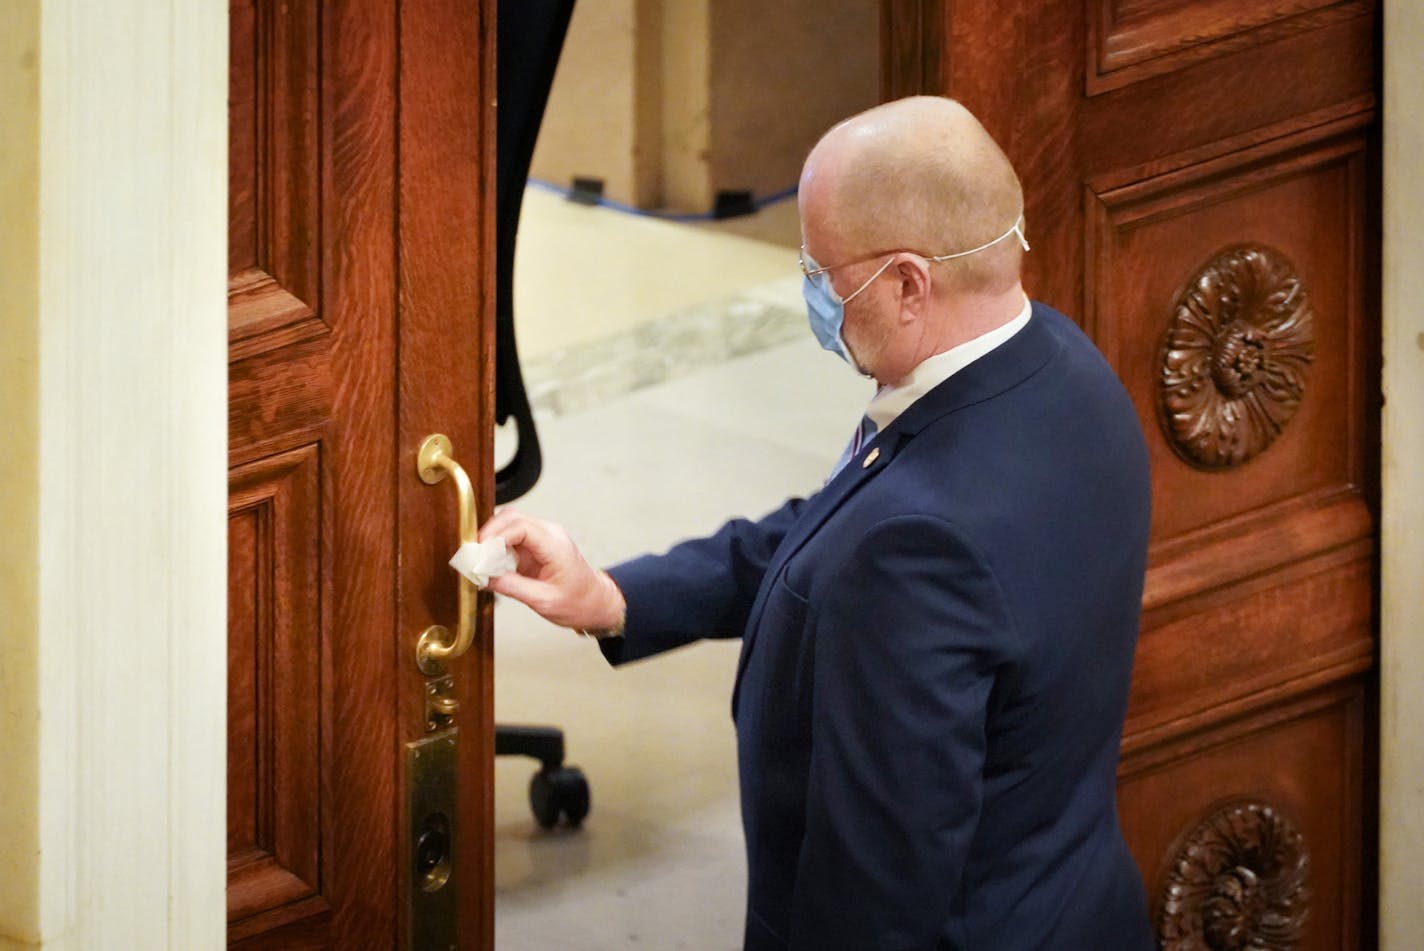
<point>1237,883</point>
<point>1234,361</point>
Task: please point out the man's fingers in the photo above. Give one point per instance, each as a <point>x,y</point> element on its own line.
<point>517,532</point>
<point>531,591</point>
<point>532,538</point>
<point>497,522</point>
<point>552,578</point>
<point>518,529</point>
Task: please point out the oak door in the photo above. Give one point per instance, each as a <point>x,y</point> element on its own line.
<point>1201,181</point>
<point>359,303</point>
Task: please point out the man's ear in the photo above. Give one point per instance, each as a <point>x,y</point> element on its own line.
<point>915,288</point>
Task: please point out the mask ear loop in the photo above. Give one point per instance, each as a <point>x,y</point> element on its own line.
<point>1019,230</point>
<point>862,287</point>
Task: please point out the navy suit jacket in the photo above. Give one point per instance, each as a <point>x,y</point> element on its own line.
<point>934,670</point>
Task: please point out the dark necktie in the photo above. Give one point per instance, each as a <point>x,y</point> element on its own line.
<point>863,434</point>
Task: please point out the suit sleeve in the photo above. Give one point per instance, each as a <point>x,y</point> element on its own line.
<point>703,588</point>
<point>908,641</point>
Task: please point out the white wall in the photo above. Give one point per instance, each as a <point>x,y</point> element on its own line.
<point>1402,583</point>
<point>115,353</point>
<point>19,467</point>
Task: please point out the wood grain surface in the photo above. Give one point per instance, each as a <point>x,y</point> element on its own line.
<point>1152,139</point>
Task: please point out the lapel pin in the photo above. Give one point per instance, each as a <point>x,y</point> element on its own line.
<point>874,454</point>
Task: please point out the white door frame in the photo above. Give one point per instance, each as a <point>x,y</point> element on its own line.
<point>1402,473</point>
<point>121,738</point>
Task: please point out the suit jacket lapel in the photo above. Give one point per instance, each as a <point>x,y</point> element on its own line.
<point>1001,369</point>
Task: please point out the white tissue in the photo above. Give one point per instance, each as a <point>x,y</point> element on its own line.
<point>481,561</point>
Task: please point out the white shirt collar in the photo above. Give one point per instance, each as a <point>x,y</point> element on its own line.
<point>891,401</point>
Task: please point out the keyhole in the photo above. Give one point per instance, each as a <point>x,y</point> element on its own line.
<point>432,853</point>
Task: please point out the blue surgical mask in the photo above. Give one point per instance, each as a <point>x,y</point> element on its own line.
<point>826,309</point>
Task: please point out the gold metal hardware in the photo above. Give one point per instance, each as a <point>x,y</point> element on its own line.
<point>431,795</point>
<point>440,703</point>
<point>431,900</point>
<point>435,647</point>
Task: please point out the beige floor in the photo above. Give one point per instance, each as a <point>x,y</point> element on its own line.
<point>659,864</point>
<point>583,273</point>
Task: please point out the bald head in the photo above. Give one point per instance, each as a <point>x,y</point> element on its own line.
<point>918,174</point>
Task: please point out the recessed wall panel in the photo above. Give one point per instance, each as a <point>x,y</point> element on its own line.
<point>274,682</point>
<point>1156,253</point>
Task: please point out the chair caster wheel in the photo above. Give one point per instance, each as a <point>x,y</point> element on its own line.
<point>559,791</point>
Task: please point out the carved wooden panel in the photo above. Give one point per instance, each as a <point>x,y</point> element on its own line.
<point>1301,760</point>
<point>279,399</point>
<point>1206,658</point>
<point>1235,358</point>
<point>1132,40</point>
<point>275,709</point>
<point>274,222</point>
<point>1301,197</point>
<point>1238,881</point>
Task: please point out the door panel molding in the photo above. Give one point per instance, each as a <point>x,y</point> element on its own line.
<point>280,400</point>
<point>299,926</point>
<point>263,315</point>
<point>275,715</point>
<point>1304,195</point>
<point>1291,632</point>
<point>1273,757</point>
<point>1130,40</point>
<point>274,167</point>
<point>1199,563</point>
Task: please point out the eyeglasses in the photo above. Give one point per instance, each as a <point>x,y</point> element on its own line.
<point>810,268</point>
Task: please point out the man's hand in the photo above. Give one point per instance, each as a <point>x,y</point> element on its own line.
<point>553,578</point>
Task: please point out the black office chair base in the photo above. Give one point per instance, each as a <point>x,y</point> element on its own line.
<point>556,790</point>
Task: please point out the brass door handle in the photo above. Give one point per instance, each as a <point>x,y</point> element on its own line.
<point>435,648</point>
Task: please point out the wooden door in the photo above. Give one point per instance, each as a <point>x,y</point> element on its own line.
<point>360,302</point>
<point>1202,195</point>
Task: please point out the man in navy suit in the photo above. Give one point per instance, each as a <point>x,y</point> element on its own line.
<point>937,645</point>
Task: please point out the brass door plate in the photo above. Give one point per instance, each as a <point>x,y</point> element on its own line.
<point>432,868</point>
<point>440,703</point>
